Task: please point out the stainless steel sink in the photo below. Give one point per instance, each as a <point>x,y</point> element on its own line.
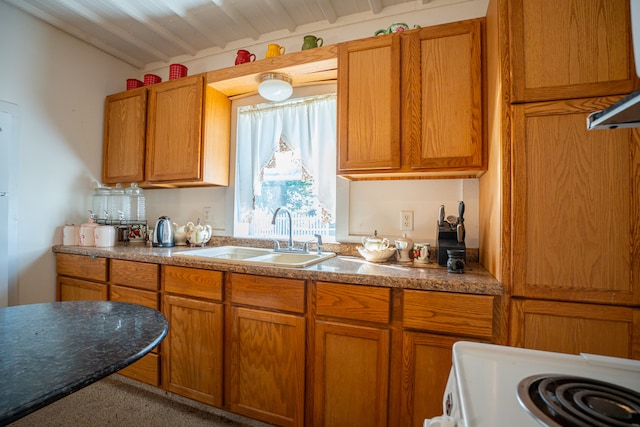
<point>257,256</point>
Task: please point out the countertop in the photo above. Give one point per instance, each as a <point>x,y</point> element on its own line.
<point>342,269</point>
<point>50,350</point>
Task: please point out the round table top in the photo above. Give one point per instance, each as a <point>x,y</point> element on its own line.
<point>50,350</point>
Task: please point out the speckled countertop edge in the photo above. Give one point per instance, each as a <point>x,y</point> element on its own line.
<point>342,269</point>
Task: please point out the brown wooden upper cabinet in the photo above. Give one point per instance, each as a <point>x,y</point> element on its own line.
<point>185,141</point>
<point>125,123</point>
<point>410,104</point>
<point>569,49</point>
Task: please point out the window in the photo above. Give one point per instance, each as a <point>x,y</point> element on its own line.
<point>286,156</point>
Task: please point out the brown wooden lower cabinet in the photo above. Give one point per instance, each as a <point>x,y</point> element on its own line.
<point>266,365</point>
<point>351,375</point>
<point>192,349</point>
<point>81,290</point>
<point>81,277</point>
<point>575,328</point>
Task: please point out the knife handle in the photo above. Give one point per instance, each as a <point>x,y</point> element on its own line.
<point>461,211</point>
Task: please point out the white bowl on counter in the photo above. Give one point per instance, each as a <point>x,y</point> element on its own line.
<point>377,256</point>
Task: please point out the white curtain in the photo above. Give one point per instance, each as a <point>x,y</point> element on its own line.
<point>306,125</point>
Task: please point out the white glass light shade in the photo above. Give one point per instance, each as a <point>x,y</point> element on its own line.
<point>275,87</point>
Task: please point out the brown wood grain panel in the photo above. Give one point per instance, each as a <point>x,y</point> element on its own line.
<point>69,289</point>
<point>268,292</point>
<point>450,313</point>
<point>369,104</point>
<point>141,275</point>
<point>591,54</point>
<point>137,296</point>
<point>146,370</point>
<point>192,351</point>
<point>82,266</point>
<point>125,121</point>
<point>266,365</point>
<point>573,328</point>
<point>192,282</point>
<point>561,168</point>
<point>351,375</point>
<point>353,302</point>
<point>175,114</point>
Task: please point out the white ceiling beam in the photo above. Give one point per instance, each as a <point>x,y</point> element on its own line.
<point>194,22</point>
<point>89,15</point>
<point>63,26</point>
<point>149,23</point>
<point>376,6</point>
<point>278,10</point>
<point>327,10</point>
<point>237,18</point>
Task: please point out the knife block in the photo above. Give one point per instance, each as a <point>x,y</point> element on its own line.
<point>447,239</point>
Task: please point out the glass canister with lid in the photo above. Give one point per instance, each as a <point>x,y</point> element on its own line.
<point>119,205</point>
<point>137,210</point>
<point>101,202</point>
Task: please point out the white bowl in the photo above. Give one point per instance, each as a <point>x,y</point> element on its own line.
<point>376,256</point>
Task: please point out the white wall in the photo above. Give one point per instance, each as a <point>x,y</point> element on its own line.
<point>59,84</point>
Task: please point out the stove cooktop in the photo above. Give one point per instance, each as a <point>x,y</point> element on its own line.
<point>568,401</point>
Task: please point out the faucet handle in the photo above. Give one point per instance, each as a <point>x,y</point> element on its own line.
<point>276,245</point>
<point>319,243</point>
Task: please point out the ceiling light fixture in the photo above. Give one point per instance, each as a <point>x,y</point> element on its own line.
<point>275,87</point>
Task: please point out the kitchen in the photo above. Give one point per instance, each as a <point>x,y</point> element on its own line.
<point>76,183</point>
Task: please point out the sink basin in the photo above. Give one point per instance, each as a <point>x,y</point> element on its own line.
<point>257,256</point>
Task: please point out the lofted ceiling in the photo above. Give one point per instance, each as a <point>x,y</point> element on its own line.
<point>141,32</point>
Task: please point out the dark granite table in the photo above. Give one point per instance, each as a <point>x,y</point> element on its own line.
<point>50,350</point>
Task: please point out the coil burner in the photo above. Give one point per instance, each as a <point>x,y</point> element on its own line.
<point>568,401</point>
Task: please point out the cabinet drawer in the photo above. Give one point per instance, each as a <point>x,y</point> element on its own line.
<point>192,282</point>
<point>141,275</point>
<point>450,313</point>
<point>146,369</point>
<point>82,266</point>
<point>267,292</point>
<point>137,296</point>
<point>79,290</point>
<point>353,302</point>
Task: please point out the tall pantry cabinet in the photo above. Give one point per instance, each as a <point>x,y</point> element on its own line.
<point>567,242</point>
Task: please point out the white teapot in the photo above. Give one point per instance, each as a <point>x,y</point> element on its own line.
<point>198,234</point>
<point>180,234</point>
<point>375,243</point>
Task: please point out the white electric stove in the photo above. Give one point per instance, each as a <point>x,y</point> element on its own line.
<point>494,386</point>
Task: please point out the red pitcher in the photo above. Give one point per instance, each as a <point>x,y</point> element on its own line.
<point>244,56</point>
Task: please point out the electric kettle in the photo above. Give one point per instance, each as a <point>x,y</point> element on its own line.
<point>163,233</point>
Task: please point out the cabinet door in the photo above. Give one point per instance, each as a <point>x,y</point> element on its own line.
<point>369,104</point>
<point>575,328</point>
<point>576,208</point>
<point>442,110</point>
<point>79,290</point>
<point>426,360</point>
<point>192,349</point>
<point>570,49</point>
<point>174,130</point>
<point>351,375</point>
<point>265,365</point>
<point>125,117</point>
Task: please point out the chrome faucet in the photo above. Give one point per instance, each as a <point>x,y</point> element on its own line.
<point>289,247</point>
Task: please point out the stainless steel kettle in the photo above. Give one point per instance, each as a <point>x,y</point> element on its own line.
<point>163,233</point>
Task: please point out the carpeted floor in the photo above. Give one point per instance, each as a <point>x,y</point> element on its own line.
<point>118,401</point>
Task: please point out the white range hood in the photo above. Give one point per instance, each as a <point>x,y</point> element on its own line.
<point>626,112</point>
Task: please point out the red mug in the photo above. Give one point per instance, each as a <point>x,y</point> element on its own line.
<point>244,56</point>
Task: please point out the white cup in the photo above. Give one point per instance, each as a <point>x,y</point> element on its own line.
<point>71,235</point>
<point>86,234</point>
<point>104,236</point>
<point>442,421</point>
<point>421,253</point>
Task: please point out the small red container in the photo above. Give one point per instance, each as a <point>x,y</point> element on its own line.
<point>150,79</point>
<point>133,84</point>
<point>177,71</point>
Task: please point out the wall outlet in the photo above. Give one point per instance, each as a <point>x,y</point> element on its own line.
<point>206,215</point>
<point>406,220</point>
